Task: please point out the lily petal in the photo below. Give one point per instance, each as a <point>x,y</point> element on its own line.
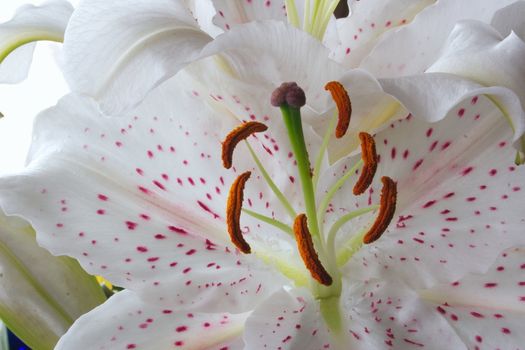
<point>40,295</point>
<point>231,13</point>
<point>413,48</point>
<point>117,51</point>
<point>432,96</point>
<point>510,19</point>
<point>287,320</point>
<point>367,22</point>
<point>486,309</point>
<point>387,313</point>
<point>140,200</point>
<point>458,195</point>
<point>127,322</point>
<point>18,36</point>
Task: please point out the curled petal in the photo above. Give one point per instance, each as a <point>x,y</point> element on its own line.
<point>30,24</point>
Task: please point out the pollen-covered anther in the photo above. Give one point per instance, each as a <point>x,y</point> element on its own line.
<point>387,209</point>
<point>235,136</point>
<point>233,212</point>
<point>307,251</point>
<point>344,107</point>
<point>369,157</point>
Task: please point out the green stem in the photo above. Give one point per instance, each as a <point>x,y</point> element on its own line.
<point>291,11</point>
<point>287,206</point>
<point>280,225</point>
<point>350,248</point>
<point>292,120</point>
<point>4,52</point>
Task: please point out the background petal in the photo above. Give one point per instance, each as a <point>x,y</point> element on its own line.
<point>117,51</point>
<point>413,48</point>
<point>40,295</point>
<point>29,24</point>
<point>127,322</point>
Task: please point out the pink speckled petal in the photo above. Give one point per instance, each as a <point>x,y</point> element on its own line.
<point>386,314</point>
<point>141,200</point>
<point>413,48</point>
<point>432,96</point>
<point>459,197</point>
<point>486,310</point>
<point>286,321</point>
<point>367,22</point>
<point>126,322</point>
<point>231,13</point>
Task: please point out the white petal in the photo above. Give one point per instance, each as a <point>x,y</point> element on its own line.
<point>288,54</point>
<point>478,52</point>
<point>413,48</point>
<point>367,22</point>
<point>139,200</point>
<point>486,309</point>
<point>127,322</point>
<point>431,96</point>
<point>287,320</point>
<point>510,19</point>
<point>117,51</point>
<point>459,196</point>
<point>30,24</point>
<point>231,13</point>
<point>386,314</point>
<point>40,295</point>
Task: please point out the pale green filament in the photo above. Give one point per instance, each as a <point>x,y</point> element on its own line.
<point>316,16</point>
<point>322,150</point>
<point>26,39</point>
<point>272,185</point>
<point>330,241</point>
<point>291,12</point>
<point>333,190</point>
<point>280,225</point>
<point>351,247</point>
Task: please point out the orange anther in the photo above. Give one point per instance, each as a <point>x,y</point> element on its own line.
<point>233,212</point>
<point>369,156</point>
<point>307,251</point>
<point>344,107</point>
<point>387,209</point>
<point>235,136</point>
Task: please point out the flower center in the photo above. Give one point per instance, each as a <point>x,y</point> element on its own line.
<point>316,15</point>
<point>317,249</point>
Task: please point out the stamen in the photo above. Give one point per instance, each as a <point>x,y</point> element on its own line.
<point>386,210</point>
<point>307,251</point>
<point>235,136</point>
<point>369,156</point>
<point>344,106</point>
<point>233,212</point>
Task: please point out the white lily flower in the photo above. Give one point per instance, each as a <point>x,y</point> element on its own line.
<point>40,295</point>
<point>118,51</point>
<point>141,199</point>
<point>19,36</point>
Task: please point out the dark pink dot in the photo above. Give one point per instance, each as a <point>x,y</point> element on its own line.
<point>142,249</point>
<point>181,329</point>
<point>102,197</point>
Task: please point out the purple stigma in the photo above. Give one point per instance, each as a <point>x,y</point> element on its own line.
<point>290,94</point>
